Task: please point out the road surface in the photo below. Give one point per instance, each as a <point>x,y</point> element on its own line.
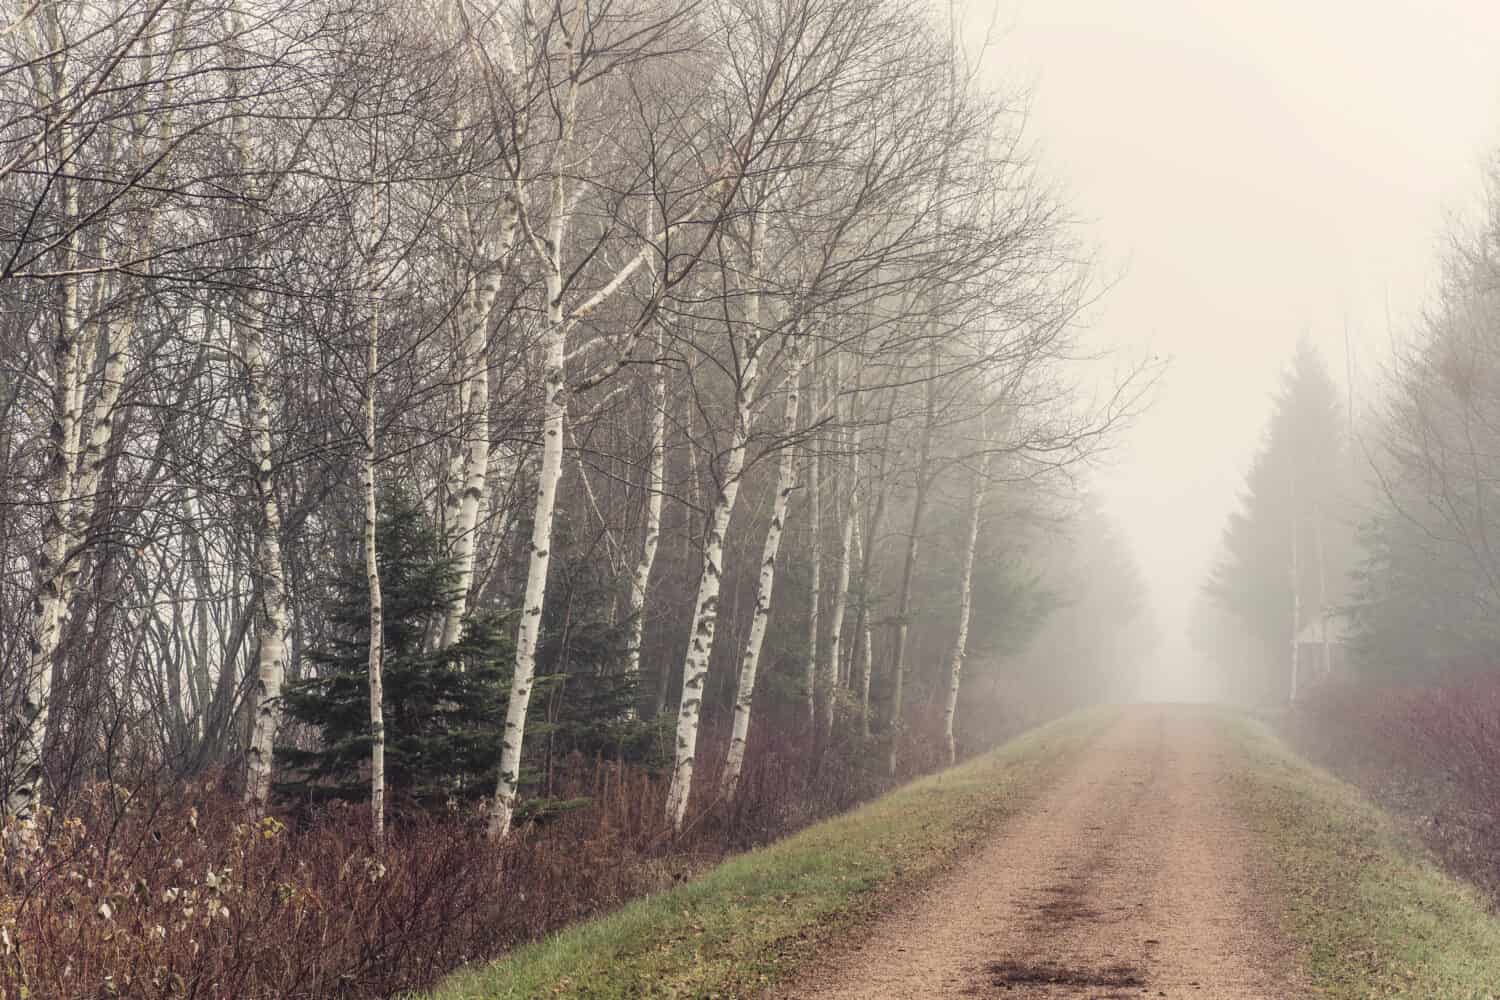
<point>1131,877</point>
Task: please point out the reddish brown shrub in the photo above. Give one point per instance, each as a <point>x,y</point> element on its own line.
<point>1430,753</point>
<point>173,891</point>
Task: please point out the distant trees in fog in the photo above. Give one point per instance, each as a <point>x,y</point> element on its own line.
<point>1287,551</point>
<point>1397,518</point>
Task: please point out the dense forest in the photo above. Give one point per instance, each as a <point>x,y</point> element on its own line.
<point>438,440</point>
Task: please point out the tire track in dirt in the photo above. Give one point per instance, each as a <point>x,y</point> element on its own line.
<point>1133,877</point>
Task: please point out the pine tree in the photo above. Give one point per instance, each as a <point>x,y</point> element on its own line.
<point>1287,550</point>
<point>443,708</point>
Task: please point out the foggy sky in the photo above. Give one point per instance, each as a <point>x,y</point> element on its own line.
<point>1252,172</point>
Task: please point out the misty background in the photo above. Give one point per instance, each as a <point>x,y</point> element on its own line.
<point>1250,174</point>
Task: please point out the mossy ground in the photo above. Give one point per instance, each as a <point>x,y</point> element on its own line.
<point>1372,912</point>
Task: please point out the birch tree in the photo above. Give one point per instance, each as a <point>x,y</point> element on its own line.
<point>965,599</point>
<point>573,32</point>
<point>765,585</point>
<point>55,75</point>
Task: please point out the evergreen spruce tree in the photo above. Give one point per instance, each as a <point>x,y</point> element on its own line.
<point>1287,552</point>
<point>443,709</point>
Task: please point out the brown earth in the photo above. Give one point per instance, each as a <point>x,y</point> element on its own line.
<point>1131,877</point>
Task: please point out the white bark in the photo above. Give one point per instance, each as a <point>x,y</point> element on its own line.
<point>965,604</point>
<point>376,664</point>
<point>491,241</point>
<point>271,608</point>
<point>464,506</point>
<point>554,413</point>
<point>704,622</point>
<point>560,323</point>
<point>846,557</point>
<point>377,610</point>
<point>867,650</point>
<point>744,698</point>
<point>503,808</point>
<point>53,591</point>
<point>706,606</point>
<point>654,486</point>
<point>815,564</point>
<point>271,616</point>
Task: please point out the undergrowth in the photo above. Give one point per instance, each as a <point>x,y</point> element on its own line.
<point>1429,753</point>
<point>172,890</point>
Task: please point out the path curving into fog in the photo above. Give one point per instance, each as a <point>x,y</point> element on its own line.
<point>1132,877</point>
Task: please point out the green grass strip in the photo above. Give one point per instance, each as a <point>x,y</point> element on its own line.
<point>750,921</point>
<point>1372,912</point>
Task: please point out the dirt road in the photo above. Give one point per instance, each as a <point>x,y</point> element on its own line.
<point>1132,877</point>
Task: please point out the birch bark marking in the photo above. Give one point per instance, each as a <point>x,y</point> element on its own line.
<point>862,658</point>
<point>491,242</point>
<point>503,809</point>
<point>376,665</point>
<point>377,604</point>
<point>815,557</point>
<point>654,486</point>
<point>270,608</point>
<point>705,620</point>
<point>49,77</point>
<point>463,508</point>
<point>706,606</point>
<point>554,413</point>
<point>744,697</point>
<point>31,724</point>
<point>846,557</point>
<point>965,602</point>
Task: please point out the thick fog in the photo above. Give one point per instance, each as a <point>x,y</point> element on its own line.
<point>1250,174</point>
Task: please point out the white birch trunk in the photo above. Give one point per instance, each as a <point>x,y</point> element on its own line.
<point>53,591</point>
<point>965,604</point>
<point>376,664</point>
<point>271,617</point>
<point>271,610</point>
<point>464,506</point>
<point>815,563</point>
<point>867,651</point>
<point>654,485</point>
<point>377,610</point>
<point>503,807</point>
<point>554,414</point>
<point>846,558</point>
<point>744,697</point>
<point>706,606</point>
<point>453,483</point>
<point>704,623</point>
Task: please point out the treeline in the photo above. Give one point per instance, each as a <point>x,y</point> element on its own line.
<point>1365,545</point>
<point>397,399</point>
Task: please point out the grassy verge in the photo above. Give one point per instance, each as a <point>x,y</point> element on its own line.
<point>750,921</point>
<point>1374,915</point>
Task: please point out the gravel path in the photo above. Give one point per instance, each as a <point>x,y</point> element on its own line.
<point>1131,878</point>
